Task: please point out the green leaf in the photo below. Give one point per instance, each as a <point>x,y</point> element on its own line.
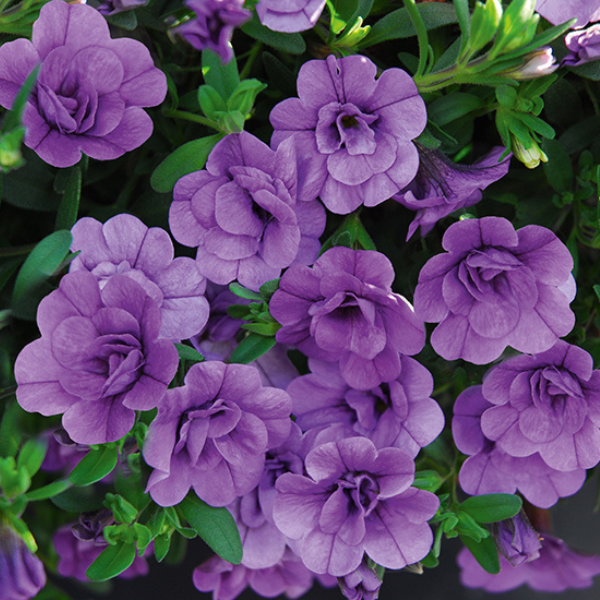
<point>10,432</point>
<point>210,101</point>
<point>253,346</point>
<point>242,292</point>
<point>453,106</point>
<point>126,20</point>
<point>341,12</point>
<point>268,288</point>
<point>239,311</point>
<point>292,43</point>
<point>112,562</point>
<point>188,353</point>
<point>94,466</point>
<point>186,159</point>
<point>485,552</point>
<point>428,480</point>
<point>79,499</point>
<point>215,526</point>
<point>489,508</point>
<point>245,95</point>
<point>267,329</point>
<point>32,455</point>
<point>42,263</point>
<point>122,509</point>
<point>224,78</point>
<point>398,25</point>
<point>558,169</point>
<point>69,205</point>
<point>143,537</point>
<point>162,543</point>
<point>50,490</point>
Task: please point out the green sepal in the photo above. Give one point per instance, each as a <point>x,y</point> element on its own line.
<point>243,97</point>
<point>122,509</point>
<point>428,480</point>
<point>210,101</point>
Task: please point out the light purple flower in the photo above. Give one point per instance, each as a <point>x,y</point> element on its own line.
<point>124,245</point>
<point>560,11</point>
<point>495,287</point>
<point>557,569</point>
<point>442,187</point>
<point>352,131</point>
<point>242,215</point>
<point>362,584</point>
<point>516,539</point>
<point>213,25</point>
<point>583,46</point>
<point>398,414</point>
<point>227,581</point>
<point>113,7</point>
<point>22,573</point>
<point>99,358</point>
<point>491,470</point>
<point>212,434</point>
<point>90,88</point>
<point>343,309</point>
<point>355,500</point>
<point>290,16</point>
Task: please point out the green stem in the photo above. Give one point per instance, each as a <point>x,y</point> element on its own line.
<point>8,391</point>
<point>415,17</point>
<point>16,251</point>
<point>187,116</point>
<point>250,60</point>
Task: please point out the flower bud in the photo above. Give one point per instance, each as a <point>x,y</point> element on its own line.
<point>536,64</point>
<point>516,539</point>
<point>531,155</point>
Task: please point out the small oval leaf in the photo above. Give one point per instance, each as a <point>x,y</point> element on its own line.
<point>96,465</point>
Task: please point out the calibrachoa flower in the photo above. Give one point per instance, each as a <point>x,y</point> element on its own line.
<point>112,7</point>
<point>22,573</point>
<point>214,24</point>
<point>124,245</point>
<point>495,287</point>
<point>289,16</point>
<point>547,403</point>
<point>212,434</point>
<point>90,88</point>
<point>398,414</point>
<point>352,131</point>
<point>361,584</point>
<point>557,569</point>
<point>99,358</point>
<point>355,500</point>
<point>242,215</point>
<point>584,46</point>
<point>343,309</point>
<point>442,187</point>
<point>491,470</point>
<point>560,11</point>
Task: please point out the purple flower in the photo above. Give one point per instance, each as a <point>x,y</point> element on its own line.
<point>491,470</point>
<point>495,287</point>
<point>442,187</point>
<point>63,454</point>
<point>516,539</point>
<point>355,500</point>
<point>212,434</point>
<point>352,132</point>
<point>584,46</point>
<point>547,403</point>
<point>124,245</point>
<point>557,569</point>
<point>398,414</point>
<point>242,215</point>
<point>214,24</point>
<point>343,309</point>
<point>291,16</point>
<point>361,584</point>
<point>90,88</point>
<point>22,573</point>
<point>99,358</point>
<point>112,7</point>
<point>227,581</point>
<point>560,11</point>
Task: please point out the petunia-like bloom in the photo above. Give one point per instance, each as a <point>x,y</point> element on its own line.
<point>355,500</point>
<point>343,310</point>
<point>399,413</point>
<point>362,584</point>
<point>242,215</point>
<point>495,287</point>
<point>516,539</point>
<point>491,470</point>
<point>113,7</point>
<point>99,358</point>
<point>557,569</point>
<point>22,573</point>
<point>90,88</point>
<point>213,25</point>
<point>124,245</point>
<point>227,581</point>
<point>353,133</point>
<point>547,403</point>
<point>560,11</point>
<point>583,46</point>
<point>442,187</point>
<point>212,434</point>
<point>290,16</point>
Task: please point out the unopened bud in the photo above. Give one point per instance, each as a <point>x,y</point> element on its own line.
<point>537,64</point>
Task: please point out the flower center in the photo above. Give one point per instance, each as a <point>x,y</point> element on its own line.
<point>362,490</point>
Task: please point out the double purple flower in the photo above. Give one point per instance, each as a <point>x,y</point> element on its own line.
<point>290,16</point>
